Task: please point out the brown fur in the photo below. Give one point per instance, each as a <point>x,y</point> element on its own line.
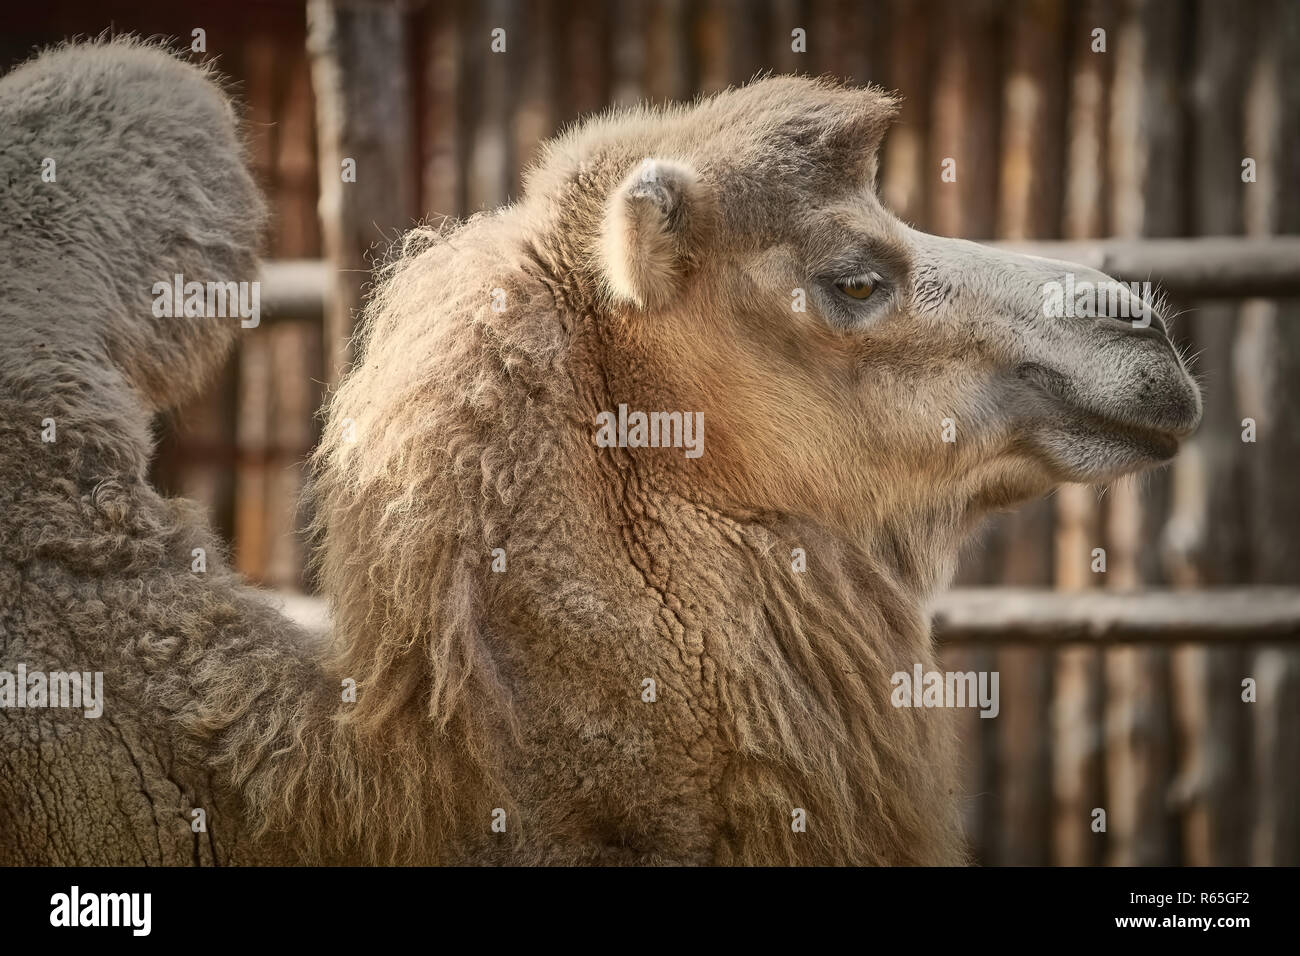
<point>466,428</point>
<point>473,431</point>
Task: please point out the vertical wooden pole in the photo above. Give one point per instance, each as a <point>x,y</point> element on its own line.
<point>534,116</point>
<point>1144,136</point>
<point>495,74</point>
<point>364,113</point>
<point>1032,94</point>
<point>714,50</point>
<point>1268,385</point>
<point>788,15</point>
<point>744,34</point>
<point>964,118</point>
<point>1218,790</point>
<point>584,57</point>
<point>1078,783</point>
<point>630,66</point>
<point>668,53</point>
<point>295,346</point>
<point>905,177</point>
<point>844,41</point>
<point>253,408</point>
<point>442,188</point>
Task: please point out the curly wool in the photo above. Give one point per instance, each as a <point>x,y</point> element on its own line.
<point>482,696</point>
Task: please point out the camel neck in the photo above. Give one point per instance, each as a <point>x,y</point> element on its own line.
<point>69,430</point>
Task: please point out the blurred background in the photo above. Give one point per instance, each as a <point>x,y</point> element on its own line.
<point>1058,132</point>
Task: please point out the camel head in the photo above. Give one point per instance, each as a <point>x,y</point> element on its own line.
<point>847,366</point>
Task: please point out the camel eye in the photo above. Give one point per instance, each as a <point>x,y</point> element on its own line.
<point>857,287</point>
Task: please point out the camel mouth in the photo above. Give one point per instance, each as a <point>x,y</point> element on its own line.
<point>1153,439</point>
<point>1156,444</point>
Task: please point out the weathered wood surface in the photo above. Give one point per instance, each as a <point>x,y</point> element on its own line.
<point>1267,357</point>
<point>294,289</point>
<point>1033,98</point>
<point>364,113</point>
<point>1259,615</point>
<point>1144,199</point>
<point>1228,616</point>
<point>1207,267</point>
<point>1076,715</point>
<point>963,134</point>
<point>1216,798</point>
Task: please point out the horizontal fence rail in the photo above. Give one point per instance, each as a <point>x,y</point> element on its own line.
<point>1216,267</point>
<point>1257,615</point>
<point>295,288</point>
<point>1206,268</point>
<point>1261,615</point>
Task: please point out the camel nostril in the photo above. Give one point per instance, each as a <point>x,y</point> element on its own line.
<point>1157,323</point>
<point>1149,326</point>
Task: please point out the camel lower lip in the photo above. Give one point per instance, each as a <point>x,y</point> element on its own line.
<point>1153,441</point>
<point>1156,444</point>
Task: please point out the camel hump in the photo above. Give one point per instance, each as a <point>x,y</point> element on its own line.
<point>124,191</point>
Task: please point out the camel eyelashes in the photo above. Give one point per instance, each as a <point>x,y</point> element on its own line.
<point>858,287</point>
<point>854,300</point>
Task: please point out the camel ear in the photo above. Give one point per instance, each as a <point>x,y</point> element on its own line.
<point>650,232</point>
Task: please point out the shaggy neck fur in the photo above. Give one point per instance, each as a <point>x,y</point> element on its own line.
<point>471,432</point>
<point>646,680</point>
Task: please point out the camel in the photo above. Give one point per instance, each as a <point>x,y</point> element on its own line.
<point>555,636</point>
